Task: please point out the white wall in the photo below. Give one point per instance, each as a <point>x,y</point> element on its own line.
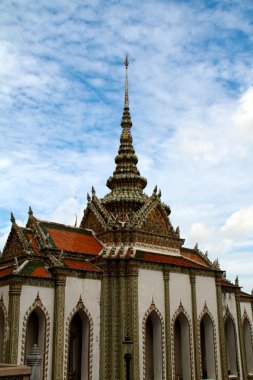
<point>246,306</point>
<point>180,291</point>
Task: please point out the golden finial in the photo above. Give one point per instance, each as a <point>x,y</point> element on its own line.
<point>126,105</point>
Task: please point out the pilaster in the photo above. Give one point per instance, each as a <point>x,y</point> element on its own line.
<point>119,317</point>
<point>13,322</point>
<point>221,333</point>
<point>58,337</point>
<point>124,321</point>
<point>195,327</point>
<point>104,368</point>
<point>166,278</point>
<point>134,317</point>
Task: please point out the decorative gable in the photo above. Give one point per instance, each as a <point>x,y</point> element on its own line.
<point>92,221</point>
<point>13,247</point>
<point>157,222</point>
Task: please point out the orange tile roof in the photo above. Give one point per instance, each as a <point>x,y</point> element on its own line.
<point>34,244</point>
<point>174,260</point>
<point>193,256</point>
<point>80,265</point>
<point>226,282</point>
<point>5,271</point>
<point>72,241</point>
<point>40,272</point>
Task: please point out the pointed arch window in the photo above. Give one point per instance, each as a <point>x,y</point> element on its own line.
<point>153,347</point>
<point>248,346</point>
<point>35,335</point>
<point>207,348</point>
<point>182,354</point>
<point>230,339</point>
<point>78,355</point>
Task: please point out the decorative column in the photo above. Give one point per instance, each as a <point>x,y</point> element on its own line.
<point>132,291</point>
<point>166,278</point>
<point>104,366</point>
<point>119,317</point>
<point>221,333</point>
<point>58,337</point>
<point>195,327</point>
<point>240,332</point>
<point>124,322</point>
<point>13,322</point>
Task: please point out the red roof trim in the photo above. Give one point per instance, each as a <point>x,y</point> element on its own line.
<point>174,260</point>
<point>80,265</point>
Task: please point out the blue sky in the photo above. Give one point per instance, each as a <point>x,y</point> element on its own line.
<point>191,97</point>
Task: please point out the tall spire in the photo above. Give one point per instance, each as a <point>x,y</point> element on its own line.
<point>126,105</point>
<point>126,183</point>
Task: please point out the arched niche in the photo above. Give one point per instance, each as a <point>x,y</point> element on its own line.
<point>182,348</point>
<point>35,335</point>
<point>79,320</point>
<point>231,346</point>
<point>153,344</point>
<point>153,347</point>
<point>207,347</point>
<point>36,315</point>
<point>247,337</point>
<point>78,352</point>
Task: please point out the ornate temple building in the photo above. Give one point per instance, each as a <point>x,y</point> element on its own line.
<point>70,295</point>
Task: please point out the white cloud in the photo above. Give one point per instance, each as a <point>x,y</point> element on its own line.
<point>67,212</point>
<point>243,118</point>
<point>239,225</point>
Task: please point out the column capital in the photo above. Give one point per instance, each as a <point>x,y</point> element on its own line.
<point>193,278</point>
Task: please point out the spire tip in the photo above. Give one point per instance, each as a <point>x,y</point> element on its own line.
<point>126,61</point>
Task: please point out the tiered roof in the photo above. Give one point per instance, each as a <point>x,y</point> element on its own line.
<point>34,250</point>
<point>126,183</point>
<point>126,214</point>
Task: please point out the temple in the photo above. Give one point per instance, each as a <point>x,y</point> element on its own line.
<point>71,297</point>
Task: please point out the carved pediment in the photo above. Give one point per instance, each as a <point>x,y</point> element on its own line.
<point>158,222</point>
<point>93,221</point>
<point>14,246</point>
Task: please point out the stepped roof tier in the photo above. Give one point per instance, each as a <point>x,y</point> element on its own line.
<point>126,213</point>
<point>126,183</point>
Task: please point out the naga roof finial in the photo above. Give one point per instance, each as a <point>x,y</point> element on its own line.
<point>13,220</point>
<point>126,105</point>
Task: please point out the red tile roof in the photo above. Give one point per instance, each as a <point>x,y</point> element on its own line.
<point>5,271</point>
<point>40,272</point>
<point>74,241</point>
<point>225,282</point>
<point>80,265</point>
<point>34,244</point>
<point>174,260</point>
<point>193,256</point>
